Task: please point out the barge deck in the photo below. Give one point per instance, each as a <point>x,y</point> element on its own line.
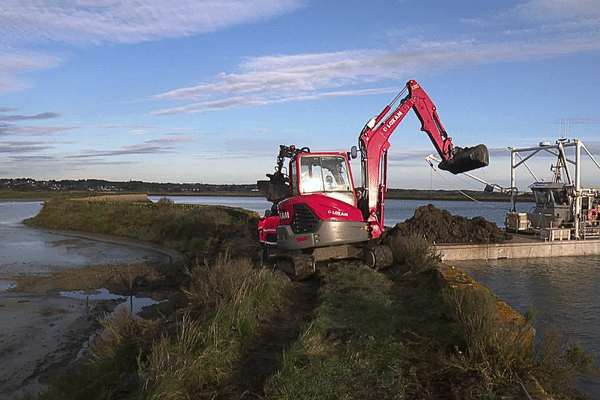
<point>521,246</point>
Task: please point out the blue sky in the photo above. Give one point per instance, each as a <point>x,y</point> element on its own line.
<point>205,91</point>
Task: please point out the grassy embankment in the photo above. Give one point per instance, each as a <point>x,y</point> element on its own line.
<point>369,335</point>
<point>188,229</point>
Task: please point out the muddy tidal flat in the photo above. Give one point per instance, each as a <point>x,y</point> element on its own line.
<point>49,286</point>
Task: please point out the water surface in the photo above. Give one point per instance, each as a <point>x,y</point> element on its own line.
<point>25,250</point>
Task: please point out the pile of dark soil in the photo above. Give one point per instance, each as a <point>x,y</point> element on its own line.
<point>439,226</point>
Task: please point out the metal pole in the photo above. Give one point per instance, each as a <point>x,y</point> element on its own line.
<point>577,186</point>
<point>513,181</point>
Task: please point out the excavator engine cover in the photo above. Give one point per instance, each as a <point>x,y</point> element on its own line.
<point>466,159</point>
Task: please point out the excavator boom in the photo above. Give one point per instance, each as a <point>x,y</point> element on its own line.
<point>373,142</point>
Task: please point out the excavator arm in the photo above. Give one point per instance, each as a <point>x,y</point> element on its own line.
<point>373,143</point>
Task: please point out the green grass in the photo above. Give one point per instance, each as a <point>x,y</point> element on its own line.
<point>140,359</point>
<point>404,337</point>
<point>353,348</point>
<point>414,252</point>
<point>186,228</point>
<point>208,347</point>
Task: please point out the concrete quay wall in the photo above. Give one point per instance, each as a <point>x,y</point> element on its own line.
<point>532,249</point>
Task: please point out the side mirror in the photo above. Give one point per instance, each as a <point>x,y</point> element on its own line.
<point>353,152</point>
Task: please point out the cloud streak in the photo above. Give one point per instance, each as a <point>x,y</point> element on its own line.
<point>163,145</point>
<point>128,21</point>
<point>22,147</point>
<point>44,115</point>
<point>13,130</point>
<point>280,79</point>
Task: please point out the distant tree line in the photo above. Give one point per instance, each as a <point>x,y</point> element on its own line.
<point>28,184</point>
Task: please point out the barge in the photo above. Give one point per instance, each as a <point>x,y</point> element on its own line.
<point>565,218</point>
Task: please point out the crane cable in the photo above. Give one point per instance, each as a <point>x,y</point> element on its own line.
<point>456,188</point>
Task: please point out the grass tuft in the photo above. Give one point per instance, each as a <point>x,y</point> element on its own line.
<point>207,347</point>
<point>414,251</point>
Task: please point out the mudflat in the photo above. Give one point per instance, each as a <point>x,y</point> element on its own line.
<point>43,329</point>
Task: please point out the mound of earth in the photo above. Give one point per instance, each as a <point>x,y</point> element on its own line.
<point>439,226</point>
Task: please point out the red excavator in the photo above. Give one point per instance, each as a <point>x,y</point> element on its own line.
<point>319,213</point>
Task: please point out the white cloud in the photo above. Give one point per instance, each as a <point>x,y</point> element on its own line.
<point>541,10</point>
<point>286,78</point>
<point>128,21</point>
<point>14,62</point>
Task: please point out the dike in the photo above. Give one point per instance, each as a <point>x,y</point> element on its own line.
<point>453,277</point>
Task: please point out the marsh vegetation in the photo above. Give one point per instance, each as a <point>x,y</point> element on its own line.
<point>241,330</point>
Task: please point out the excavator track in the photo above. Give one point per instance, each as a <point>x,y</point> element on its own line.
<point>378,257</point>
<point>297,266</point>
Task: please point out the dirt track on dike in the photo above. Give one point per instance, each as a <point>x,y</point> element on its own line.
<point>43,329</point>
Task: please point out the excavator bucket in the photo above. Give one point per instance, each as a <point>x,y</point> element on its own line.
<point>274,190</point>
<point>466,159</point>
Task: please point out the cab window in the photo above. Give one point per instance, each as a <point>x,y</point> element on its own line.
<point>329,175</point>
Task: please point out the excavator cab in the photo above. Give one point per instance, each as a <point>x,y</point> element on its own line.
<point>324,173</point>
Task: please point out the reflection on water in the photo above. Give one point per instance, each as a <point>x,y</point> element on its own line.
<point>564,290</point>
<point>133,303</point>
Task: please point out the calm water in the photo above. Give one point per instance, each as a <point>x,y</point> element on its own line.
<point>32,251</point>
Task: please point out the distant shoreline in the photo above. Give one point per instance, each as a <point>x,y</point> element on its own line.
<point>396,194</point>
<point>408,195</point>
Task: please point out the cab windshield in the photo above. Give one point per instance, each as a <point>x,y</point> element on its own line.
<point>329,175</point>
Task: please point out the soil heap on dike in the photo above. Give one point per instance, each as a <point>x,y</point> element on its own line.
<point>439,226</point>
